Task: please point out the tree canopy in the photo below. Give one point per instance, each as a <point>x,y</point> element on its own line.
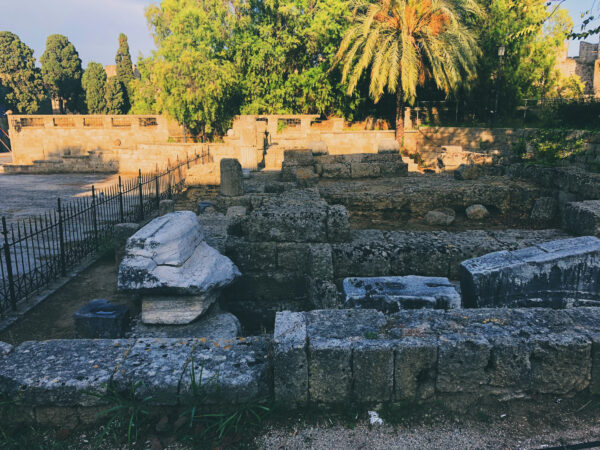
<point>124,68</point>
<point>21,85</point>
<point>94,85</point>
<point>62,72</point>
<point>115,96</point>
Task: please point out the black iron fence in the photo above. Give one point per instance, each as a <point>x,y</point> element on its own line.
<point>40,250</point>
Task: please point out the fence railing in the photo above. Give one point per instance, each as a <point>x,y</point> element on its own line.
<point>40,250</point>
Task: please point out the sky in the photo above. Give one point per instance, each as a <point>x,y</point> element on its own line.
<point>93,26</point>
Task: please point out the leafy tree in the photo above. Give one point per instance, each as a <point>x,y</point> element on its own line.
<point>531,39</point>
<point>115,96</point>
<point>21,85</point>
<point>406,42</point>
<point>125,68</point>
<point>94,85</point>
<point>196,82</point>
<point>62,72</point>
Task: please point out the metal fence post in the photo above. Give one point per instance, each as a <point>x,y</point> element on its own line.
<point>11,281</point>
<point>121,212</point>
<point>95,218</point>
<point>156,180</point>
<point>141,195</point>
<point>61,237</point>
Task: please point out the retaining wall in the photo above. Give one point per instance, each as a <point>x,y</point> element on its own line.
<point>326,357</point>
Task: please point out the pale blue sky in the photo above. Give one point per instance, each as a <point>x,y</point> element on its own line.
<point>94,25</point>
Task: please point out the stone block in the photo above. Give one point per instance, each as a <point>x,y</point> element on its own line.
<point>290,363</point>
<point>236,211</point>
<point>319,262</point>
<point>232,184</point>
<point>388,146</point>
<point>294,216</point>
<point>338,224</point>
<point>366,255</point>
<point>175,310</point>
<point>227,372</point>
<point>252,256</point>
<point>583,218</point>
<point>365,170</point>
<point>467,172</point>
<point>554,274</point>
<point>341,324</point>
<point>560,363</point>
<point>305,176</point>
<point>322,294</point>
<point>373,371</point>
<point>392,294</point>
<point>510,367</point>
<point>158,366</point>
<point>169,256</point>
<point>302,157</point>
<point>462,362</point>
<point>330,370</point>
<point>441,217</point>
<point>415,368</point>
<point>100,319</point>
<point>336,170</point>
<point>397,168</point>
<point>477,212</point>
<point>62,372</point>
<point>544,210</point>
<point>292,257</point>
<point>215,324</point>
<point>5,348</point>
<point>166,207</point>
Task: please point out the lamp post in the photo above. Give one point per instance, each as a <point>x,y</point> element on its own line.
<point>501,53</point>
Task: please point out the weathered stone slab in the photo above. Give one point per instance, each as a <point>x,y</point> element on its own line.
<point>392,294</point>
<point>157,365</point>
<point>204,270</point>
<point>176,310</point>
<point>169,240</point>
<point>415,368</point>
<point>583,218</point>
<point>290,362</point>
<point>62,372</point>
<point>373,371</point>
<point>216,324</point>
<point>328,357</point>
<point>462,362</point>
<point>559,274</point>
<point>232,184</point>
<point>228,371</point>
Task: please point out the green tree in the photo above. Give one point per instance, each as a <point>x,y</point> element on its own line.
<point>62,72</point>
<point>125,68</point>
<point>115,96</point>
<point>195,81</point>
<point>94,85</point>
<point>406,42</point>
<point>21,85</point>
<point>532,39</point>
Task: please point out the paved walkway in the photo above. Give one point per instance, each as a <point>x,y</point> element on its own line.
<point>24,196</point>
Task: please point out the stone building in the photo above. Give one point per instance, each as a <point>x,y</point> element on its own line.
<point>586,66</point>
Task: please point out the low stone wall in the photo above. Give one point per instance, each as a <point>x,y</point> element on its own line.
<point>336,357</point>
<point>326,357</point>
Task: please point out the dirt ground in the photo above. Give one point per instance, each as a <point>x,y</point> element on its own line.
<point>554,423</point>
<point>53,318</point>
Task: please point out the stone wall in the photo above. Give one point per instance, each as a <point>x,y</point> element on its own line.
<point>325,358</point>
<point>44,137</point>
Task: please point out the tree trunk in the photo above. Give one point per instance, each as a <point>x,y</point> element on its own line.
<point>399,117</point>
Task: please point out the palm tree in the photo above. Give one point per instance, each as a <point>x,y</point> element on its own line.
<point>406,42</point>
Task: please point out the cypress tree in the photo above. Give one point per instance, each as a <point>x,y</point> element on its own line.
<point>94,85</point>
<point>21,86</point>
<point>125,69</point>
<point>115,96</point>
<point>62,72</point>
